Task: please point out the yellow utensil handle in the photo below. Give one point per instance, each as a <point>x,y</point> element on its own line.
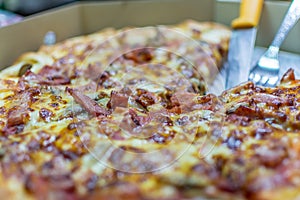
<point>250,11</point>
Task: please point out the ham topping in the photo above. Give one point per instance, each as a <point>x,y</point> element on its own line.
<point>46,77</point>
<point>118,99</point>
<point>18,115</point>
<point>87,103</point>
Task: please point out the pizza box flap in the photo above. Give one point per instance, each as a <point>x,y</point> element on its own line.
<point>87,17</point>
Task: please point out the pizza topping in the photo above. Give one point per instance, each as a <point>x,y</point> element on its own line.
<point>117,135</point>
<point>271,156</point>
<point>234,180</point>
<point>16,116</point>
<point>162,138</point>
<point>41,185</point>
<point>90,87</point>
<point>69,155</point>
<point>72,126</point>
<point>139,56</point>
<point>91,106</point>
<point>24,69</point>
<point>13,129</point>
<point>118,99</point>
<point>103,77</point>
<point>54,105</point>
<point>132,121</point>
<point>182,121</point>
<point>288,76</point>
<point>238,120</point>
<point>137,119</point>
<point>162,118</point>
<point>44,79</point>
<point>182,102</point>
<point>54,81</point>
<point>271,100</point>
<point>254,150</point>
<point>209,102</point>
<point>234,142</point>
<point>297,117</point>
<point>265,182</point>
<point>243,111</point>
<point>2,110</point>
<point>34,145</point>
<point>91,182</point>
<point>145,98</point>
<point>46,114</point>
<point>35,184</point>
<point>262,132</point>
<point>93,71</point>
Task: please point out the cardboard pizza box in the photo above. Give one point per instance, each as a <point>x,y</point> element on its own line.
<point>87,17</point>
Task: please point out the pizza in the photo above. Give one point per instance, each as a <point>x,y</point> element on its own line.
<point>127,114</point>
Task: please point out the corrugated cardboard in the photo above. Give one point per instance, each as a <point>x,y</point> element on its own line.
<point>86,17</point>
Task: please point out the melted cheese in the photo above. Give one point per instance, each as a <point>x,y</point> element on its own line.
<point>241,144</point>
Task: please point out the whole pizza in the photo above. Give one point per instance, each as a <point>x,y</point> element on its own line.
<point>128,114</point>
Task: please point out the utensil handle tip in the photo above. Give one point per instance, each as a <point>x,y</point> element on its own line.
<point>250,11</point>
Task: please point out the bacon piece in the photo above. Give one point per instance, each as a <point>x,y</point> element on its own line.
<point>288,76</point>
<point>186,102</point>
<point>182,102</point>
<point>93,71</point>
<point>227,94</point>
<point>47,76</point>
<point>102,78</point>
<point>18,115</point>
<point>132,120</point>
<point>272,100</point>
<point>145,98</point>
<point>87,103</point>
<point>182,98</point>
<point>23,80</point>
<point>48,71</point>
<point>208,102</point>
<point>48,80</point>
<point>118,99</point>
<point>139,56</point>
<point>260,113</point>
<point>13,129</point>
<point>90,87</point>
<point>52,76</point>
<point>55,81</point>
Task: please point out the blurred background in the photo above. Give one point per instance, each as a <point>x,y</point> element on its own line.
<point>12,11</point>
<point>28,7</point>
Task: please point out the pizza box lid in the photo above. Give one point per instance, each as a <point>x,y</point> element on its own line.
<point>87,16</point>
